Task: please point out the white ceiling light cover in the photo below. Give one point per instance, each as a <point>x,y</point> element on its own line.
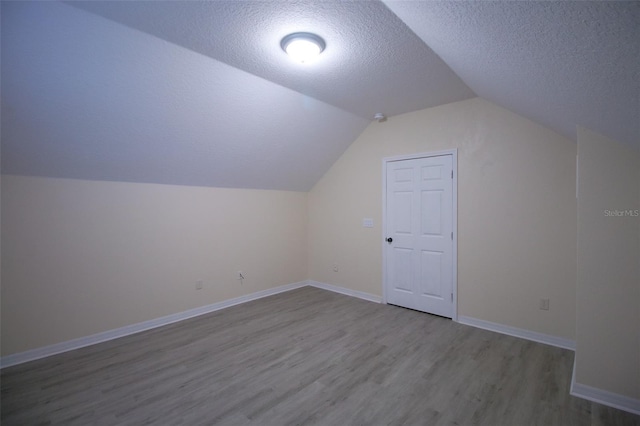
<point>303,47</point>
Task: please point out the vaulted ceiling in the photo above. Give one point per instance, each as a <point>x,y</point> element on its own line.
<point>200,92</point>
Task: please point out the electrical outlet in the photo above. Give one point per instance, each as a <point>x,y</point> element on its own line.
<point>335,267</point>
<point>199,285</point>
<point>544,304</point>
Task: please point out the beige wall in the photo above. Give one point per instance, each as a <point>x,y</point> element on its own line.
<point>516,212</point>
<point>81,257</point>
<point>608,288</point>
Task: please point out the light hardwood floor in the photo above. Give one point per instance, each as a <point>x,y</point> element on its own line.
<point>307,356</point>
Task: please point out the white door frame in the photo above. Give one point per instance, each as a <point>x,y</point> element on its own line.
<point>454,154</point>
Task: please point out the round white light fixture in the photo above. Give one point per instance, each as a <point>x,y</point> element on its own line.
<point>302,47</point>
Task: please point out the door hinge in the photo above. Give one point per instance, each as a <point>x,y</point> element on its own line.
<point>451,174</point>
<point>451,235</point>
<point>451,297</point>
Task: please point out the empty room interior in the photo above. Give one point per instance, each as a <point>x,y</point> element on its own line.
<point>320,212</point>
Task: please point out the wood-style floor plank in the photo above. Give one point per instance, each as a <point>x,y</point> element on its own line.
<point>307,356</point>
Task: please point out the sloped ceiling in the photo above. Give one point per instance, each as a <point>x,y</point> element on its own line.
<point>153,99</point>
<point>200,93</point>
<point>86,98</point>
<point>372,63</point>
<point>560,63</point>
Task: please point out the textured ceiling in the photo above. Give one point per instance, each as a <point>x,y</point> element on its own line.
<point>84,97</point>
<point>372,63</point>
<point>561,64</point>
<point>200,93</point>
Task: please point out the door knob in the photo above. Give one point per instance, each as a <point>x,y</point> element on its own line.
<point>389,240</point>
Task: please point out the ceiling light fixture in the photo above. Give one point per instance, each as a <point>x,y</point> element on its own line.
<point>302,47</point>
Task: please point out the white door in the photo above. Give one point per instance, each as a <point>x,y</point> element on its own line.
<point>419,234</point>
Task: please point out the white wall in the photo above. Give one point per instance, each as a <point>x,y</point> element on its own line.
<point>516,212</point>
<point>608,286</point>
<point>82,257</point>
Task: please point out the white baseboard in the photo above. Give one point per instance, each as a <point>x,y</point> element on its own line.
<point>346,291</point>
<point>603,397</point>
<point>560,342</point>
<point>579,390</point>
<point>33,354</point>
